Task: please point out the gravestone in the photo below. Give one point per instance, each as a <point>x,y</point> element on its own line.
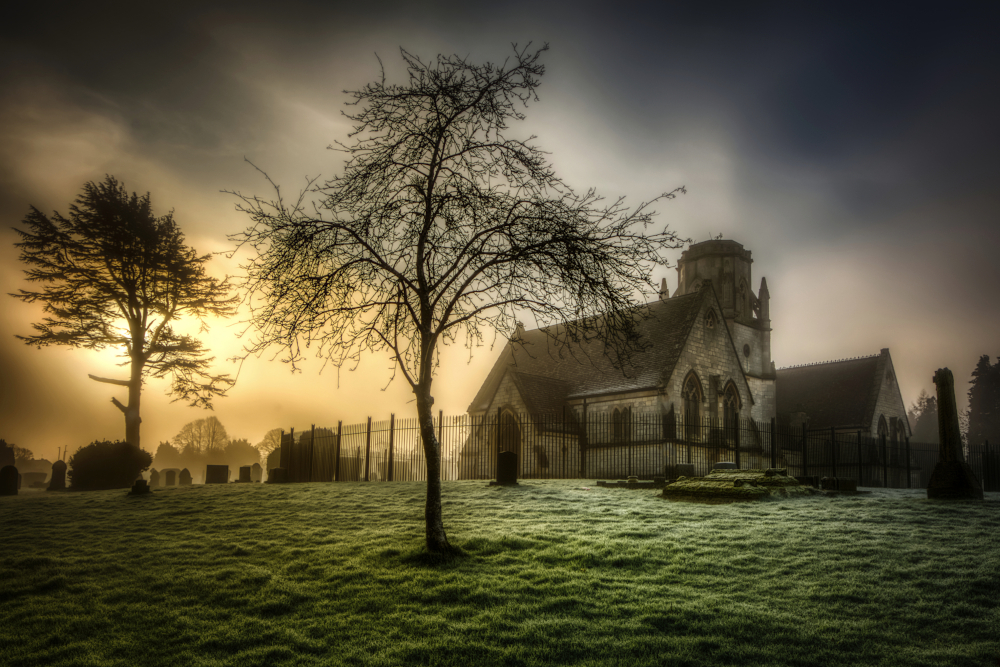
<point>154,478</point>
<point>245,474</point>
<point>9,481</point>
<point>256,472</point>
<point>724,465</point>
<point>217,474</point>
<point>170,478</point>
<point>185,478</point>
<point>952,478</point>
<point>58,481</point>
<point>140,487</point>
<point>506,469</point>
<point>277,476</point>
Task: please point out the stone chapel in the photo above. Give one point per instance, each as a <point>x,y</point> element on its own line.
<point>709,358</point>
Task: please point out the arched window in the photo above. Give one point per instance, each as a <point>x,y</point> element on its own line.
<point>883,428</point>
<point>621,424</point>
<point>742,299</point>
<point>692,407</point>
<point>731,410</point>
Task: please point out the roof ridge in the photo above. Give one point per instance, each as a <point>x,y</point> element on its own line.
<point>834,361</point>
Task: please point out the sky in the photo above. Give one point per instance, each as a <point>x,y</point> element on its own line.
<point>852,148</point>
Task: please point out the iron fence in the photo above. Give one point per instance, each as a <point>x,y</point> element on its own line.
<point>568,445</point>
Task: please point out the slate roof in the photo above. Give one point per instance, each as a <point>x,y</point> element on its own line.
<point>548,374</point>
<point>836,393</point>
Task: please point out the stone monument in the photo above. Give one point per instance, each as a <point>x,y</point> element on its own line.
<point>185,478</point>
<point>140,487</point>
<point>256,472</point>
<point>58,481</point>
<point>154,478</point>
<point>245,474</point>
<point>6,454</point>
<point>8,481</point>
<point>506,469</point>
<point>952,478</point>
<point>217,474</point>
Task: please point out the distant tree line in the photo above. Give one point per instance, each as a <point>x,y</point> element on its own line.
<point>980,421</point>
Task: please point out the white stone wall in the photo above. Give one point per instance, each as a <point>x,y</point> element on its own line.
<point>889,403</point>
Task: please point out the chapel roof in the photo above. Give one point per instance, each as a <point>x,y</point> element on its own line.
<point>549,373</point>
<point>834,393</point>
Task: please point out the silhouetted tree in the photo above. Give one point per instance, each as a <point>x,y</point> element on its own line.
<point>166,456</point>
<point>924,419</point>
<point>113,274</point>
<point>205,436</point>
<point>240,452</point>
<point>270,442</point>
<point>984,404</point>
<point>440,229</point>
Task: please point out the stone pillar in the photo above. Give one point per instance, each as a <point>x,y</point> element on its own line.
<point>58,481</point>
<point>952,478</point>
<point>8,481</point>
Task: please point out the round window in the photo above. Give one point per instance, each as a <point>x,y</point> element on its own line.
<point>746,351</point>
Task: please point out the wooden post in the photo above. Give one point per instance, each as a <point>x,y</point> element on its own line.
<point>833,449</point>
<point>739,465</point>
<point>563,440</point>
<point>282,452</point>
<point>496,459</point>
<point>336,465</point>
<point>583,442</point>
<point>774,446</point>
<point>392,433</point>
<point>368,448</point>
<point>291,456</point>
<point>312,449</point>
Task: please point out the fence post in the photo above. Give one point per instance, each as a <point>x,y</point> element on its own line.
<point>392,433</point>
<point>291,456</point>
<point>909,476</point>
<point>885,462</point>
<point>368,448</point>
<point>283,453</point>
<point>563,440</point>
<point>805,448</point>
<point>440,425</point>
<point>312,450</point>
<point>774,446</point>
<point>833,449</point>
<point>737,443</point>
<point>860,467</point>
<point>583,442</point>
<point>336,465</point>
<point>496,459</point>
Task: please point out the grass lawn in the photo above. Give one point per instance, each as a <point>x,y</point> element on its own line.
<point>553,573</point>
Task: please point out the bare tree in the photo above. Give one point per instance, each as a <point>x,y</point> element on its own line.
<point>202,436</point>
<point>440,229</point>
<point>115,275</point>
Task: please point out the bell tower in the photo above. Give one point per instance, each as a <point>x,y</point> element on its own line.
<point>748,316</point>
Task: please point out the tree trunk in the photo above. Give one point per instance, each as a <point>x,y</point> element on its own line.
<point>132,419</point>
<point>437,541</point>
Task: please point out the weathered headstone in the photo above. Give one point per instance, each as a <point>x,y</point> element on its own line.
<point>256,472</point>
<point>8,481</point>
<point>170,478</point>
<point>217,474</point>
<point>58,481</point>
<point>724,465</point>
<point>244,474</point>
<point>185,478</point>
<point>952,478</point>
<point>154,478</point>
<point>277,476</point>
<point>140,487</point>
<point>506,469</point>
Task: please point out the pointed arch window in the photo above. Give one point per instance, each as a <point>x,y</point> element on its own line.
<point>731,410</point>
<point>692,407</point>
<point>621,424</point>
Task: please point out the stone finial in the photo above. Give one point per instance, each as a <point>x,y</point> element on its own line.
<point>952,478</point>
<point>664,290</point>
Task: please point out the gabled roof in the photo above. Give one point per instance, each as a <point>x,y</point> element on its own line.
<point>835,393</point>
<point>582,369</point>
